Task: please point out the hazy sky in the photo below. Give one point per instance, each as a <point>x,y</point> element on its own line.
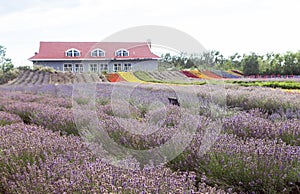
<point>228,26</point>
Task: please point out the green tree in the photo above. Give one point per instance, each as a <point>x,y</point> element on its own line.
<point>5,63</point>
<point>250,64</point>
<point>297,71</point>
<point>236,61</point>
<point>178,61</point>
<point>276,62</point>
<point>208,60</point>
<point>290,63</point>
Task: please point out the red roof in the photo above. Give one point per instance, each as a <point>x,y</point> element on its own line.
<point>57,50</point>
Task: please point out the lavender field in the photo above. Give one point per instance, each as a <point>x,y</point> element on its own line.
<point>106,138</point>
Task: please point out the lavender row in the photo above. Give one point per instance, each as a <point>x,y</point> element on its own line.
<point>7,118</point>
<point>267,99</point>
<point>244,165</point>
<point>50,117</point>
<point>258,125</point>
<point>41,99</point>
<point>42,161</point>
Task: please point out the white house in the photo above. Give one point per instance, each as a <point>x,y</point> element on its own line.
<point>96,56</point>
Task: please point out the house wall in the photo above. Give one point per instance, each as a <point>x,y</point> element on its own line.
<point>148,65</point>
<point>57,65</point>
<point>145,65</point>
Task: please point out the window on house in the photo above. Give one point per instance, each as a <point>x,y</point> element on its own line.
<point>68,67</point>
<point>97,53</point>
<point>127,67</point>
<point>78,68</point>
<point>103,67</point>
<point>93,68</point>
<point>115,67</point>
<point>122,53</point>
<point>119,67</point>
<point>73,53</point>
<point>76,53</point>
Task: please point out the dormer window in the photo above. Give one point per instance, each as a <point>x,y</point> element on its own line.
<point>97,53</point>
<point>73,53</point>
<point>122,53</point>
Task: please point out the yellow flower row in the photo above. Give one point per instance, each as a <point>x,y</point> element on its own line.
<point>197,73</point>
<point>130,77</point>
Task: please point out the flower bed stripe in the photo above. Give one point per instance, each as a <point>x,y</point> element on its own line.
<point>114,77</point>
<point>130,77</point>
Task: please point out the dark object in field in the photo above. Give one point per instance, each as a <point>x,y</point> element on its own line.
<point>173,101</point>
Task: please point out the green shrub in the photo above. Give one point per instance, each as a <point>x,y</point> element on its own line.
<point>8,76</point>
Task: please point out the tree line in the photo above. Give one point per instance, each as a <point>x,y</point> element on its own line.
<point>250,64</point>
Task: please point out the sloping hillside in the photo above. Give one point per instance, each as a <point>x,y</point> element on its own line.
<point>39,77</point>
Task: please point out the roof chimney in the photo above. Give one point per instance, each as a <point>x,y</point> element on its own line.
<point>149,42</point>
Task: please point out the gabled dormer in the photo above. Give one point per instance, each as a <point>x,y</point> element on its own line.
<point>98,53</point>
<point>72,52</point>
<point>122,53</point>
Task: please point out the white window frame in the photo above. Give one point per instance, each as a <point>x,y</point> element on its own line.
<point>127,67</point>
<point>115,68</point>
<point>67,67</point>
<point>122,53</point>
<point>98,52</point>
<point>93,67</point>
<point>119,67</point>
<point>103,67</point>
<point>78,68</point>
<point>72,53</point>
